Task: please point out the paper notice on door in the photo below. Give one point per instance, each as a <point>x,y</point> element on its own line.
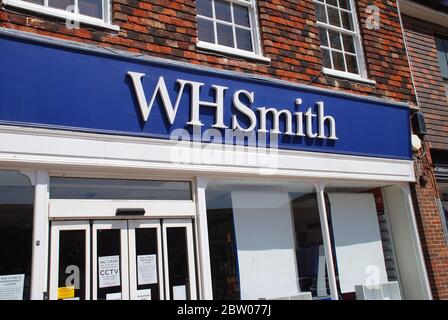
<point>66,293</point>
<point>147,269</point>
<point>11,287</point>
<point>109,271</point>
<point>113,296</point>
<point>144,294</point>
<point>180,292</point>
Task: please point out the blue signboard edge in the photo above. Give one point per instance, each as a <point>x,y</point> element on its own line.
<point>16,35</point>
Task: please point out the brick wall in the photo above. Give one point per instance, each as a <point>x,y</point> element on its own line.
<point>167,28</point>
<point>428,79</point>
<point>430,227</point>
<point>434,104</point>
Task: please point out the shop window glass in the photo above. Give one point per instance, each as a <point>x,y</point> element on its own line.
<point>72,262</point>
<point>361,239</point>
<point>16,230</point>
<point>117,189</point>
<point>178,272</point>
<point>265,231</point>
<point>108,247</point>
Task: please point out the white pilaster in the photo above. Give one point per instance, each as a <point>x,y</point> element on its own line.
<point>326,238</point>
<point>204,252</point>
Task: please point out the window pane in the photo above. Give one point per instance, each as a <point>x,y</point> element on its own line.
<point>244,39</point>
<point>333,16</point>
<point>92,8</point>
<point>326,58</point>
<point>349,43</point>
<point>253,236</point>
<point>86,188</point>
<point>206,30</point>
<point>335,39</point>
<point>72,261</point>
<point>323,37</point>
<point>178,263</point>
<point>441,53</point>
<point>61,4</point>
<point>347,22</point>
<point>310,252</point>
<point>109,253</point>
<point>344,4</point>
<point>369,236</point>
<point>241,15</point>
<point>225,35</point>
<point>204,8</point>
<point>352,64</point>
<point>338,61</point>
<point>16,227</point>
<point>320,13</point>
<point>333,2</point>
<point>223,253</point>
<point>146,248</point>
<point>222,10</point>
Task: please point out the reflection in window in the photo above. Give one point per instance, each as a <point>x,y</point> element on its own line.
<point>90,8</point>
<point>361,239</point>
<point>16,230</point>
<point>223,255</point>
<point>178,274</point>
<point>339,39</point>
<point>72,261</point>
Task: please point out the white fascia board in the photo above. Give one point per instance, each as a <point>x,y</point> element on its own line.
<point>56,149</point>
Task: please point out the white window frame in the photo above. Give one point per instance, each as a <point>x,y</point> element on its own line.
<point>105,23</point>
<point>256,54</point>
<point>359,51</point>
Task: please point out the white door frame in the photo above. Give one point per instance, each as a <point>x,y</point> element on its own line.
<point>149,224</point>
<point>183,223</point>
<point>127,254</point>
<point>56,228</point>
<point>122,225</point>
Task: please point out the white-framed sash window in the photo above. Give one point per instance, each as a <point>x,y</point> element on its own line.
<point>340,41</point>
<point>92,12</point>
<point>229,26</point>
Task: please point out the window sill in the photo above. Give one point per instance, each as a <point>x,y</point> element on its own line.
<point>58,13</point>
<point>231,51</point>
<point>348,76</point>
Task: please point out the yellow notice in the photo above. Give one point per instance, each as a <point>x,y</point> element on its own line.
<point>66,292</point>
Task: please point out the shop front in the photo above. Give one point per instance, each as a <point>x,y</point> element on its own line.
<point>130,177</point>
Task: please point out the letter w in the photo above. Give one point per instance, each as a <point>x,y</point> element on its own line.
<point>145,108</point>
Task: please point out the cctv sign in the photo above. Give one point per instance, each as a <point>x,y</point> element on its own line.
<point>109,271</point>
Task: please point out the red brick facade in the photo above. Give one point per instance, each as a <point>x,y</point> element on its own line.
<point>167,28</point>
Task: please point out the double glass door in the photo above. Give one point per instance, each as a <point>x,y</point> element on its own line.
<point>122,259</point>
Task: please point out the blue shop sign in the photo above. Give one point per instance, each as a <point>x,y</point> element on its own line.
<point>53,85</point>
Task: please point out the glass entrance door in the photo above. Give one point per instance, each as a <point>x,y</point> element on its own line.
<point>122,259</point>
